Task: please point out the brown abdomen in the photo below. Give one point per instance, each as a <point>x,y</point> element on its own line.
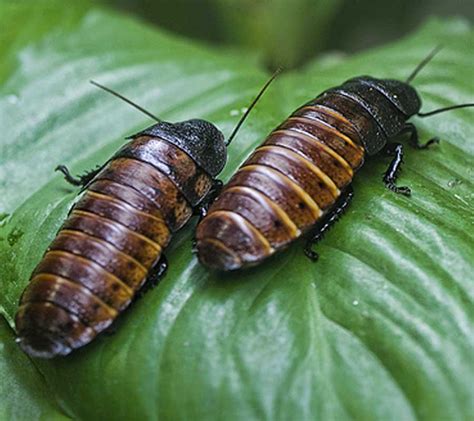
<point>106,248</point>
<point>283,188</point>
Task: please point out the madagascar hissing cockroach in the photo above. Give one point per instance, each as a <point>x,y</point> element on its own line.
<point>299,180</point>
<point>113,239</point>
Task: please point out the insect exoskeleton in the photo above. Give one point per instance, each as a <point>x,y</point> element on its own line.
<point>111,245</point>
<point>299,180</point>
<point>114,236</point>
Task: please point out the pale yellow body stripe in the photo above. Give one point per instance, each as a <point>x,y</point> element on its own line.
<point>155,245</point>
<point>75,317</point>
<point>331,112</point>
<point>220,244</point>
<point>129,290</point>
<point>125,206</point>
<point>266,203</point>
<point>62,280</point>
<point>85,261</point>
<point>327,127</point>
<point>313,168</point>
<point>311,139</point>
<point>242,222</point>
<point>282,178</point>
<point>105,244</point>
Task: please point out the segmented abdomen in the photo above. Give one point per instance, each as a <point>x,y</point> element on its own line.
<point>282,189</point>
<point>106,248</point>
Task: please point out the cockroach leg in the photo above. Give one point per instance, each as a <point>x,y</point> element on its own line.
<point>203,207</point>
<point>111,330</point>
<point>328,221</point>
<point>82,180</point>
<point>414,139</point>
<point>390,176</point>
<point>157,272</point>
<point>154,277</point>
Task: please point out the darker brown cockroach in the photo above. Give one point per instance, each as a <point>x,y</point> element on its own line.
<point>299,180</point>
<point>113,239</point>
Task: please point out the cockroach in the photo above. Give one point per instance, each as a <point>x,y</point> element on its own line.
<point>299,180</point>
<point>111,245</point>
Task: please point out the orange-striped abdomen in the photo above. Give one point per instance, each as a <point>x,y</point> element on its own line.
<point>114,236</point>
<point>285,186</point>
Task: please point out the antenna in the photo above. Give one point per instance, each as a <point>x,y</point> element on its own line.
<point>423,63</point>
<point>252,104</point>
<point>442,110</point>
<point>128,101</point>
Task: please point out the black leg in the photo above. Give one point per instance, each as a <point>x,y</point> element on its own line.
<point>414,140</point>
<point>390,176</point>
<point>328,221</point>
<point>82,180</point>
<point>154,276</point>
<point>203,207</point>
<point>111,330</point>
<point>158,272</point>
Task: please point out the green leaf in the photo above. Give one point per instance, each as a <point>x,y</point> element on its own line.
<point>23,390</point>
<point>380,328</point>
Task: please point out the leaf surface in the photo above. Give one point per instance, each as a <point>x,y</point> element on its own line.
<point>24,395</point>
<point>380,328</point>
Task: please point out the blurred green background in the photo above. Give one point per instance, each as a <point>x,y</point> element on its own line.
<point>289,32</point>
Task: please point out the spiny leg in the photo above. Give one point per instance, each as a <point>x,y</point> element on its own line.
<point>328,221</point>
<point>414,139</point>
<point>82,180</point>
<point>214,191</point>
<point>157,272</point>
<point>203,207</point>
<point>396,150</point>
<point>390,176</point>
<point>154,276</point>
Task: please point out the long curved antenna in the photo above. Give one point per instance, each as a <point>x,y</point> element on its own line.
<point>128,101</point>
<point>253,103</point>
<point>442,110</point>
<point>423,63</point>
